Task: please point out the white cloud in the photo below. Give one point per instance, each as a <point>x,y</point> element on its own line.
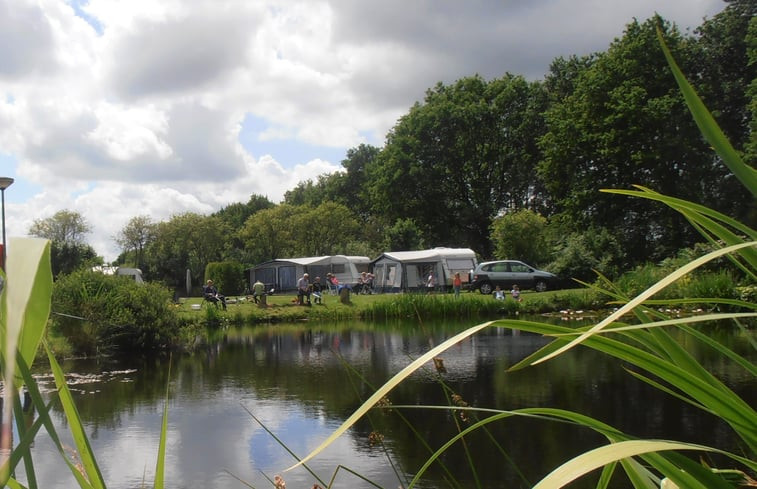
<point>138,108</point>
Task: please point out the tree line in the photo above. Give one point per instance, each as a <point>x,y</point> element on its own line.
<point>508,167</point>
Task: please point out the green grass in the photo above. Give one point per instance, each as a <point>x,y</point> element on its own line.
<point>283,308</point>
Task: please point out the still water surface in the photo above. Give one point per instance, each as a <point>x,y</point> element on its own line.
<point>293,379</point>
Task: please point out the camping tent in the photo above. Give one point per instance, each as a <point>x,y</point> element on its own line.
<point>283,273</point>
<point>407,270</point>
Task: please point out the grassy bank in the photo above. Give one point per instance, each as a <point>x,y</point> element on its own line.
<point>283,308</point>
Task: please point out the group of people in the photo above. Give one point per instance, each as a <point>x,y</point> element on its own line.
<point>307,289</point>
<point>365,284</point>
<point>499,294</point>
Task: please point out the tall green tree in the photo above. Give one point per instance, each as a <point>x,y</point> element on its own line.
<point>66,231</point>
<point>268,235</point>
<point>312,193</point>
<point>324,230</point>
<point>625,123</point>
<point>186,241</point>
<point>237,213</point>
<point>725,75</point>
<point>135,236</point>
<point>403,235</point>
<point>234,216</point>
<point>723,69</point>
<point>64,226</point>
<point>521,235</point>
<point>751,156</point>
<point>455,161</point>
<point>348,187</point>
<point>66,258</point>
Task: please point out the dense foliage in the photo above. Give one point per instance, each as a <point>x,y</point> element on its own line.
<point>98,313</point>
<point>475,154</point>
<point>227,276</point>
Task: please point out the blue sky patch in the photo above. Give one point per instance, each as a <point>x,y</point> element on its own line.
<point>288,152</point>
<point>78,5</point>
<point>20,190</point>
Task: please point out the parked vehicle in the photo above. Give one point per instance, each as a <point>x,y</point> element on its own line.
<point>506,273</point>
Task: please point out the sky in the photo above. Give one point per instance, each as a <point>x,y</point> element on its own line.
<point>116,109</point>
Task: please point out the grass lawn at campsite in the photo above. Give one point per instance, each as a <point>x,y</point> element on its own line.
<point>284,308</point>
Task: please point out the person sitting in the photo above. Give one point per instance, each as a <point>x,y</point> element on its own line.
<point>210,292</point>
<point>515,293</point>
<point>303,290</point>
<point>316,288</point>
<point>499,294</point>
<point>366,283</point>
<point>333,283</point>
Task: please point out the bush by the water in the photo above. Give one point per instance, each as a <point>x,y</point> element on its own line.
<point>97,312</point>
<point>722,280</point>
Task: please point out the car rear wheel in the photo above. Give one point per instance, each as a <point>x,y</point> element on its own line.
<point>486,288</point>
<point>540,286</point>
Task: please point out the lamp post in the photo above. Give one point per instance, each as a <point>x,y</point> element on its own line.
<point>5,182</point>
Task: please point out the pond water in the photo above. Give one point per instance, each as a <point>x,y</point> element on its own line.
<point>293,381</point>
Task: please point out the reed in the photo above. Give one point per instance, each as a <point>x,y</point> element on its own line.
<point>25,296</point>
<point>657,358</point>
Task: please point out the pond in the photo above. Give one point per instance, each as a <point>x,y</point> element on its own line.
<point>300,382</point>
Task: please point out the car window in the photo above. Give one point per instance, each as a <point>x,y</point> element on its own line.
<point>519,268</point>
<point>500,267</point>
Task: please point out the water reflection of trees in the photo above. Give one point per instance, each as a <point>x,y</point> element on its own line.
<point>305,364</point>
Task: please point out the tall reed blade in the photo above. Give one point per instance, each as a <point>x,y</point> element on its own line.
<point>709,128</point>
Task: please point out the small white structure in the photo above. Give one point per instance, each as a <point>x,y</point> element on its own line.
<point>408,270</point>
<point>134,273</point>
<point>283,273</point>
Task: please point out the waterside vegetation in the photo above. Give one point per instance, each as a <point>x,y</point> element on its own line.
<point>94,313</point>
<point>653,356</point>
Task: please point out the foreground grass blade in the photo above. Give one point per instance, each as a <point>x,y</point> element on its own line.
<point>706,221</point>
<point>389,385</point>
<point>29,288</point>
<point>707,391</point>
<point>283,445</point>
<point>24,309</point>
<point>639,299</point>
<point>161,462</point>
<point>81,441</point>
<point>709,128</point>
<point>599,457</point>
<point>43,418</point>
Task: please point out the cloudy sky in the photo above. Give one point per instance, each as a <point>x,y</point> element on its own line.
<point>117,108</point>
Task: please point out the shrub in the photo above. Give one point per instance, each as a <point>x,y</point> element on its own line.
<point>96,311</point>
<point>581,255</point>
<point>228,276</point>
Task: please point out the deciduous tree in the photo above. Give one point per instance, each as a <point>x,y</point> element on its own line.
<point>455,161</point>
<point>521,235</point>
<point>135,236</point>
<point>63,227</point>
<point>625,123</point>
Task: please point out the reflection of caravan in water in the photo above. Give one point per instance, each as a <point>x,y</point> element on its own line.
<point>134,273</point>
<point>408,270</point>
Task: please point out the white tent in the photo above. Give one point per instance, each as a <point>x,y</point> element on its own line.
<point>408,270</point>
<point>283,273</point>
